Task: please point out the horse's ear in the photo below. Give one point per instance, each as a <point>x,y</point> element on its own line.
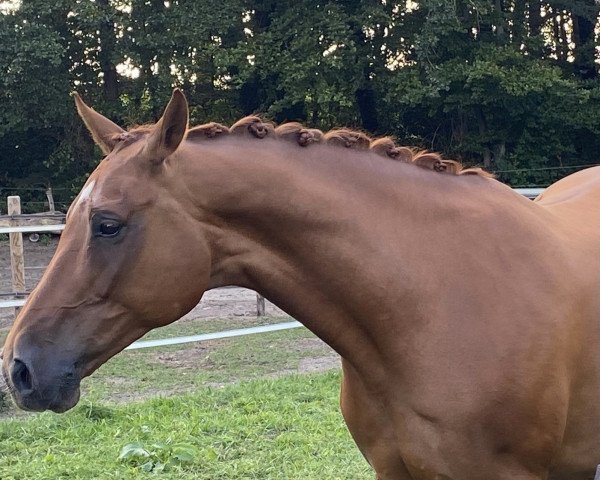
<point>170,130</point>
<point>104,132</point>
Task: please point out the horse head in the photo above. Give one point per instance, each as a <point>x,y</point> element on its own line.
<point>119,269</point>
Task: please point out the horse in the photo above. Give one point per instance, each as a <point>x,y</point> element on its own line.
<point>467,317</point>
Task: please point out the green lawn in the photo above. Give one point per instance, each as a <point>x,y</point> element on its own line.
<point>141,374</point>
<point>136,374</point>
<point>225,409</point>
<point>286,428</point>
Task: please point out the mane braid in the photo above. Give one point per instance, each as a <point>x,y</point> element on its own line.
<point>255,127</point>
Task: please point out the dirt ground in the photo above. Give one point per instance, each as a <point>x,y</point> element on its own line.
<point>222,302</point>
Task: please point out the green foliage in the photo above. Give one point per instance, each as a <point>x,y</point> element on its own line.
<point>157,457</point>
<point>511,85</point>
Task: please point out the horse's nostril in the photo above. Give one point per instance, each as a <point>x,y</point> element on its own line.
<point>21,377</point>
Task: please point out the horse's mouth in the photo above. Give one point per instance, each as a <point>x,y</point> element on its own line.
<point>59,402</point>
<point>66,403</point>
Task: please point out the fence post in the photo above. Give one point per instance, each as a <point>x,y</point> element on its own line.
<point>260,305</point>
<point>50,200</point>
<point>17,262</point>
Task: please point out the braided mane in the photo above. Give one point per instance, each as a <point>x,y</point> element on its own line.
<point>295,132</point>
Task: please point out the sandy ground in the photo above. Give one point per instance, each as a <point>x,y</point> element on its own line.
<point>222,302</point>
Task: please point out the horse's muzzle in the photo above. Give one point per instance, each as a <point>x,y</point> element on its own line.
<point>51,387</point>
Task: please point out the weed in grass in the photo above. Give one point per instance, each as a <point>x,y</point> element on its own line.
<point>157,457</point>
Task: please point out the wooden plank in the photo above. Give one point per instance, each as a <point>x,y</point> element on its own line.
<point>260,305</point>
<point>17,261</point>
<point>31,219</point>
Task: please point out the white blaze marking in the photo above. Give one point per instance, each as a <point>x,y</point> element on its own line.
<point>86,192</point>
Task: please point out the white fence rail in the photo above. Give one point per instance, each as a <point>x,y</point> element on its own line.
<point>529,192</point>
<point>213,336</point>
<point>33,228</point>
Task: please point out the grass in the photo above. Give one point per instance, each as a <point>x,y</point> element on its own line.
<point>231,408</point>
<point>286,428</point>
<point>182,368</point>
<point>140,374</point>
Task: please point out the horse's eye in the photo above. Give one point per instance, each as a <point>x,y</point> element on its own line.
<point>109,228</point>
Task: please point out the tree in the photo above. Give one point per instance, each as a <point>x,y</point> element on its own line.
<point>510,84</point>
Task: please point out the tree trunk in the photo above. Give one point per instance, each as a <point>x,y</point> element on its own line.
<point>365,99</point>
<point>106,53</point>
<point>486,153</point>
<point>500,19</point>
<point>564,39</point>
<point>499,154</point>
<point>535,17</point>
<point>536,21</point>
<point>583,37</point>
<point>519,27</point>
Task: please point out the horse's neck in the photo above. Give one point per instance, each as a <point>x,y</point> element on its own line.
<point>310,233</point>
<point>294,205</point>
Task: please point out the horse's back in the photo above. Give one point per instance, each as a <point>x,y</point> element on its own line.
<point>576,197</point>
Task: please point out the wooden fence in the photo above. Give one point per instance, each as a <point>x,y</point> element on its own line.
<point>15,224</point>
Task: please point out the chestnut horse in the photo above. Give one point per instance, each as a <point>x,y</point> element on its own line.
<point>467,317</point>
